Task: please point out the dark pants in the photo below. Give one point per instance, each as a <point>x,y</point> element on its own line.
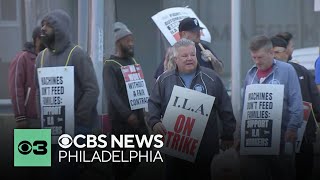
<point>304,161</point>
<point>123,170</point>
<point>65,170</point>
<point>266,167</point>
<point>181,169</point>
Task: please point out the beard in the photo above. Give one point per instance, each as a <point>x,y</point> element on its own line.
<point>42,47</point>
<point>127,51</point>
<point>47,40</point>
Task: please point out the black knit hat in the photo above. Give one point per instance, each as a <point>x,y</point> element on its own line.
<point>278,42</point>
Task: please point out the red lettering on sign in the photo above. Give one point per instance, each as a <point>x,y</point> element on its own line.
<point>188,126</point>
<point>169,137</point>
<point>179,123</point>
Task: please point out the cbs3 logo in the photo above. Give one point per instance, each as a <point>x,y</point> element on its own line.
<point>39,147</point>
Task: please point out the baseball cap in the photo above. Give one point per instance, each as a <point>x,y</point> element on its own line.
<point>189,24</point>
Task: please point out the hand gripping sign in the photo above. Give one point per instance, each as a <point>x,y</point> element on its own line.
<point>185,119</point>
<point>136,86</point>
<point>169,19</point>
<point>261,119</point>
<point>56,88</point>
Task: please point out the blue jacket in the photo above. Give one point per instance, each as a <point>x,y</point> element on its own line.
<point>283,73</point>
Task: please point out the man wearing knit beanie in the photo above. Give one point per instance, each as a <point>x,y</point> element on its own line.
<point>124,40</point>
<point>303,159</point>
<point>123,119</point>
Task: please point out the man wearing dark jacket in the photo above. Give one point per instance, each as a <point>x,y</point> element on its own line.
<point>191,75</point>
<point>21,83</point>
<point>61,52</point>
<point>123,119</point>
<point>189,28</point>
<point>309,92</point>
<point>55,34</point>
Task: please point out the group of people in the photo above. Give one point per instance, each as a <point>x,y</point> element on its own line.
<point>190,64</point>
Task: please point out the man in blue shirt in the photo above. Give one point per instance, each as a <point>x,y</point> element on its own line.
<point>267,70</point>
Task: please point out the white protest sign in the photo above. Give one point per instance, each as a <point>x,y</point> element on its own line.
<point>307,108</point>
<point>136,86</point>
<point>316,5</point>
<point>185,119</point>
<point>261,119</point>
<point>169,19</point>
<point>56,88</point>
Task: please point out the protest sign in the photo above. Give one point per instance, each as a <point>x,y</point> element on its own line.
<point>56,88</point>
<point>185,119</point>
<point>261,119</point>
<point>169,19</point>
<point>307,108</point>
<point>136,86</point>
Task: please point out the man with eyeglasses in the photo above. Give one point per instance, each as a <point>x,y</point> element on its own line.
<point>303,159</point>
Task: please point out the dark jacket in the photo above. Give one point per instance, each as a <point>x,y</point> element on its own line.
<point>21,81</point>
<point>211,84</point>
<point>310,94</point>
<point>85,82</point>
<point>117,98</point>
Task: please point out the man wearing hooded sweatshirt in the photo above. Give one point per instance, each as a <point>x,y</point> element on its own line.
<point>124,120</point>
<point>55,34</point>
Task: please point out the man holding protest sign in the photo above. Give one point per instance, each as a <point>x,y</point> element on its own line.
<point>67,87</point>
<point>184,106</point>
<point>126,93</point>
<point>189,28</point>
<point>272,114</point>
<point>311,101</point>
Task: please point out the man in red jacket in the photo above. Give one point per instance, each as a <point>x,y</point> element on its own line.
<point>22,85</point>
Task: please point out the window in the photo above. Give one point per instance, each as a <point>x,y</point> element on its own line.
<point>8,10</point>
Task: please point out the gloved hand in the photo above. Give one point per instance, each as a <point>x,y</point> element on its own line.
<point>133,120</point>
<point>206,55</point>
<point>158,128</point>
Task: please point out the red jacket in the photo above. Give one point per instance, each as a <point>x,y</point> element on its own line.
<point>22,85</point>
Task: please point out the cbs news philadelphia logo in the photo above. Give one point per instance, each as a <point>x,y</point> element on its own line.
<point>32,147</point>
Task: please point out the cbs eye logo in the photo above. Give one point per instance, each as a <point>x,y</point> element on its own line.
<point>38,147</point>
<point>32,147</point>
<point>65,141</point>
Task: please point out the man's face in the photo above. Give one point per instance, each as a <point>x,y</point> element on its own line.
<point>191,35</point>
<point>263,58</point>
<point>280,53</point>
<point>186,59</point>
<point>126,46</point>
<point>290,49</point>
<point>47,33</point>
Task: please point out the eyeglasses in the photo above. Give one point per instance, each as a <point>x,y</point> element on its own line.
<point>277,50</point>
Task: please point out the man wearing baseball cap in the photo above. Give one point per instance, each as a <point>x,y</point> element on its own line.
<point>189,28</point>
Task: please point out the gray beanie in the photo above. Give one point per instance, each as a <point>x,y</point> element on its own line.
<point>120,30</point>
